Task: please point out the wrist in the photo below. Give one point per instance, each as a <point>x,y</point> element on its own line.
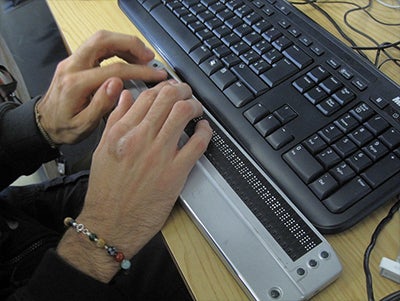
<point>86,257</point>
<point>42,126</point>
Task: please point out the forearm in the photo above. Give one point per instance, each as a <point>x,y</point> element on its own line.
<point>55,279</point>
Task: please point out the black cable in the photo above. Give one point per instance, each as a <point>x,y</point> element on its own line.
<point>349,3</point>
<point>392,297</point>
<point>367,254</point>
<point>396,61</point>
<point>378,48</point>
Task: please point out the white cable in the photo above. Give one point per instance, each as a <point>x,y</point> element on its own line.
<point>395,6</point>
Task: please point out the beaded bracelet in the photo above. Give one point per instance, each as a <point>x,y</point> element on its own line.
<point>41,128</point>
<point>100,243</point>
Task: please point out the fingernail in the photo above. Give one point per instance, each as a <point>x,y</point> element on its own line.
<point>111,89</point>
<point>148,51</point>
<point>172,81</point>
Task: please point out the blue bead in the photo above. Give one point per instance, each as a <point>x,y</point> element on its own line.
<point>125,264</point>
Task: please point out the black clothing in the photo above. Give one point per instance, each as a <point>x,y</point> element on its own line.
<point>31,224</point>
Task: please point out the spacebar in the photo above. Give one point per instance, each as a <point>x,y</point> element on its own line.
<point>183,36</point>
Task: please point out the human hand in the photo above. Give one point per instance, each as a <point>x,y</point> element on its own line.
<point>81,92</point>
<point>137,173</point>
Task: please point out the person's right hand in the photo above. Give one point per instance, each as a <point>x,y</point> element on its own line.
<point>82,92</point>
<point>138,171</point>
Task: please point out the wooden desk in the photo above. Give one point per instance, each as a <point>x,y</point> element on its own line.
<point>204,273</point>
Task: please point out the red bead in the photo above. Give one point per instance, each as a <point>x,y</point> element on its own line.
<point>119,256</point>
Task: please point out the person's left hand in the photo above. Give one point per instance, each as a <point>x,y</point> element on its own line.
<point>82,92</point>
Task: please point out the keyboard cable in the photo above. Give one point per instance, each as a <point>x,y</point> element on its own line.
<point>395,296</point>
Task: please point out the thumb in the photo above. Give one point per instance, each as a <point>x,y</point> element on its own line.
<point>105,98</point>
<point>102,102</point>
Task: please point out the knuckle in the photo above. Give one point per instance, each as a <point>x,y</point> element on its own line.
<point>149,94</point>
<point>62,66</point>
<point>117,68</point>
<point>100,35</point>
<point>184,108</point>
<point>68,82</point>
<point>169,91</point>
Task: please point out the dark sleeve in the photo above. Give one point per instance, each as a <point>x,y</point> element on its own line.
<point>54,279</point>
<point>22,147</point>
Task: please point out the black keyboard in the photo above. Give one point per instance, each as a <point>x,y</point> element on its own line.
<point>320,120</point>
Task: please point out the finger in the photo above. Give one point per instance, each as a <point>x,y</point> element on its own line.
<point>144,102</point>
<point>182,112</point>
<point>195,146</point>
<point>105,44</point>
<point>163,104</point>
<point>101,103</point>
<point>124,104</point>
<point>89,80</point>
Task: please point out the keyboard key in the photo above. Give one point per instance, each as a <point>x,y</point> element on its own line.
<point>331,84</point>
<point>256,113</point>
<point>230,60</point>
<point>317,49</point>
<point>347,196</point>
<point>342,172</point>
<point>382,171</point>
<point>359,161</point>
<point>200,54</point>
<point>328,157</point>
<point>173,26</point>
<point>376,124</point>
<point>272,56</point>
<point>238,94</point>
<point>262,47</point>
<point>250,79</point>
<point>279,138</point>
<point>271,34</point>
<point>328,106</point>
<point>315,95</point>
<point>267,125</point>
<point>315,144</point>
<point>346,123</point>
<point>375,149</point>
<point>260,66</point>
<point>279,72</point>
<point>361,136</point>
<point>261,26</point>
<point>222,51</point>
<point>306,41</point>
<point>252,38</point>
<point>240,48</point>
<point>359,84</point>
<point>303,163</point>
<point>303,84</point>
<point>380,101</point>
<point>297,56</point>
<point>391,138</point>
<point>330,133</point>
<point>344,147</point>
<point>211,65</point>
<point>324,186</point>
<point>362,112</point>
<point>318,74</point>
<point>282,43</point>
<point>223,78</point>
<point>285,114</point>
<point>344,96</point>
